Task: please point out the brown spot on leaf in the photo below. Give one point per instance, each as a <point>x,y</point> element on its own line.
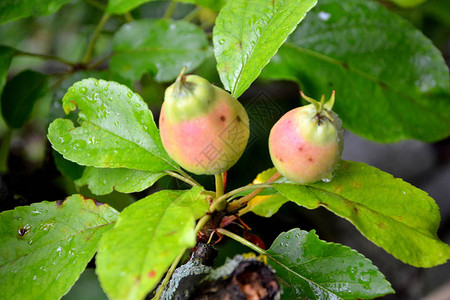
<point>97,203</point>
<point>300,149</point>
<point>383,85</point>
<point>381,226</point>
<point>338,189</point>
<point>238,118</point>
<point>310,159</point>
<point>356,184</point>
<point>345,66</point>
<point>24,230</point>
<point>151,274</point>
<point>222,118</point>
<point>171,233</point>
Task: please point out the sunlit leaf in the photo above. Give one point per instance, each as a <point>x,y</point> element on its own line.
<point>117,129</point>
<point>102,181</point>
<point>393,214</point>
<point>265,205</point>
<point>148,236</point>
<point>248,33</point>
<point>44,247</point>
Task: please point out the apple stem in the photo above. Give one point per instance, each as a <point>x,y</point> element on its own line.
<point>181,79</point>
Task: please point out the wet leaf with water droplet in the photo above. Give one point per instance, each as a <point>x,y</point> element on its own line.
<point>248,33</point>
<point>393,214</point>
<point>314,269</point>
<point>104,181</point>
<point>149,235</point>
<point>49,244</point>
<point>110,136</point>
<point>171,46</point>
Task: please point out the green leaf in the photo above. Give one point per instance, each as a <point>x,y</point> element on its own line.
<point>315,269</point>
<point>123,6</point>
<point>264,175</point>
<point>408,3</point>
<point>117,129</point>
<point>160,47</point>
<point>104,181</point>
<point>390,84</point>
<point>6,54</point>
<point>391,213</point>
<point>269,201</point>
<point>19,96</point>
<point>214,5</point>
<point>12,9</point>
<point>248,33</point>
<point>148,236</point>
<point>49,244</point>
<point>265,205</point>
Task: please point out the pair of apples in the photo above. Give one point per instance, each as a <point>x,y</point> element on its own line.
<point>205,130</point>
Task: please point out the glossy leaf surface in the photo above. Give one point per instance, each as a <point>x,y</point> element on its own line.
<point>314,269</point>
<point>102,181</point>
<point>148,236</point>
<point>46,246</point>
<point>117,129</point>
<point>19,96</point>
<point>12,10</point>
<point>248,33</point>
<point>159,47</point>
<point>391,84</point>
<point>391,213</point>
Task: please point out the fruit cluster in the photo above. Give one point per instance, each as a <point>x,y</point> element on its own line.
<point>205,130</point>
